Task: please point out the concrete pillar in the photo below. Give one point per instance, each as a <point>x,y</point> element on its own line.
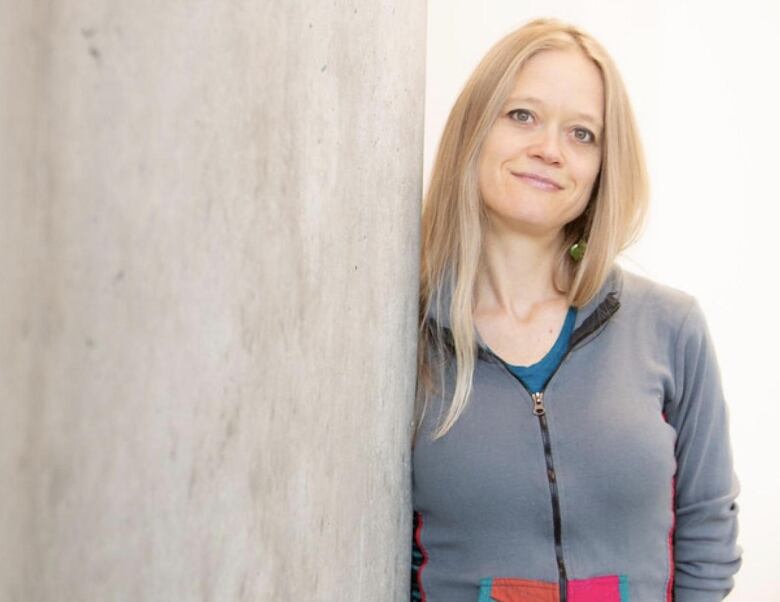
<point>208,258</point>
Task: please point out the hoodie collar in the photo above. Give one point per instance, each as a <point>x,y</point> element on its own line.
<point>590,316</point>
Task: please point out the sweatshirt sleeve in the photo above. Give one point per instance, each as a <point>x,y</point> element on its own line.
<point>706,553</point>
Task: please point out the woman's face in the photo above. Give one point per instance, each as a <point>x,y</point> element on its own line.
<point>542,155</point>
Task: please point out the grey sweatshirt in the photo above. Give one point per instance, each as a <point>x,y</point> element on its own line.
<point>615,484</point>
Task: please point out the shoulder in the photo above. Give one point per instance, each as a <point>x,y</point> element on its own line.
<point>658,314</point>
<point>650,300</point>
<point>666,322</point>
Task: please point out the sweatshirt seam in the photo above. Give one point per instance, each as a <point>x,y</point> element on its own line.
<point>678,388</point>
<point>670,584</point>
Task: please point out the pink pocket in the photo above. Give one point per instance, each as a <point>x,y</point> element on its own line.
<point>610,588</point>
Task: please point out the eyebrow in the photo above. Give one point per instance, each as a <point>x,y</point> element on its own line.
<point>534,100</point>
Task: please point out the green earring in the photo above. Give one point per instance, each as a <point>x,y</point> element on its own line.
<point>577,250</point>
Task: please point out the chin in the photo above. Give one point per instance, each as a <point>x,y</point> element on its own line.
<point>534,226</point>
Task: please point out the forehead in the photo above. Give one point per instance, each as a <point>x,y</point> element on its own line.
<point>563,80</point>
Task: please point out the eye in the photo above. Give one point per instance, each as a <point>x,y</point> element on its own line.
<point>584,135</point>
<point>523,115</point>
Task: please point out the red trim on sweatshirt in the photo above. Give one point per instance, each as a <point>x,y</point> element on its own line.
<point>424,552</point>
<point>670,580</point>
<point>670,583</point>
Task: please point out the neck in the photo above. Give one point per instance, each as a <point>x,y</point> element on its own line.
<point>517,271</point>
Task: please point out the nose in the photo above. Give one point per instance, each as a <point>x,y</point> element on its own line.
<point>546,147</point>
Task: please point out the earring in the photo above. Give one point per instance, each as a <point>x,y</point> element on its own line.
<point>577,250</point>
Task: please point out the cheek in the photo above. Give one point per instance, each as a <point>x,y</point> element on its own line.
<point>588,173</point>
<point>483,177</point>
<point>487,169</point>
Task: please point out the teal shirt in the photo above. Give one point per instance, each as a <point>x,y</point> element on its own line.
<point>535,376</point>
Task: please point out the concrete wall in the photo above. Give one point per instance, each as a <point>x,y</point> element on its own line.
<point>208,258</point>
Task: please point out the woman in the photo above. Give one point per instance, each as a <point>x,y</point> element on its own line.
<point>572,436</point>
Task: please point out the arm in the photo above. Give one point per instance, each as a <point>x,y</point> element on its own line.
<point>706,552</point>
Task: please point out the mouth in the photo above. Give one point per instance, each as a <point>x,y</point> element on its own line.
<point>538,181</point>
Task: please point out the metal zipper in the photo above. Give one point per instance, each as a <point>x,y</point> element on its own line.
<point>592,324</point>
<point>539,412</point>
<point>538,399</point>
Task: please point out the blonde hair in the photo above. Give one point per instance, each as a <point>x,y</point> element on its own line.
<point>453,217</point>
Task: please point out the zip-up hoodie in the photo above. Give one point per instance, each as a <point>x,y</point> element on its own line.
<point>615,484</point>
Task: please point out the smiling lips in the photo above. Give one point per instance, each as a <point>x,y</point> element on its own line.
<point>538,181</point>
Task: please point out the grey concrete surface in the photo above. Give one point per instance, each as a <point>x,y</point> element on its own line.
<point>208,262</point>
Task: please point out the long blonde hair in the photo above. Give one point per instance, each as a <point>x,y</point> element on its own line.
<point>453,218</point>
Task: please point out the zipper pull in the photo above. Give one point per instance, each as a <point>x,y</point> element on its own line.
<point>538,403</point>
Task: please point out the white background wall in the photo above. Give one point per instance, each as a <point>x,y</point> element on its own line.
<point>703,83</point>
